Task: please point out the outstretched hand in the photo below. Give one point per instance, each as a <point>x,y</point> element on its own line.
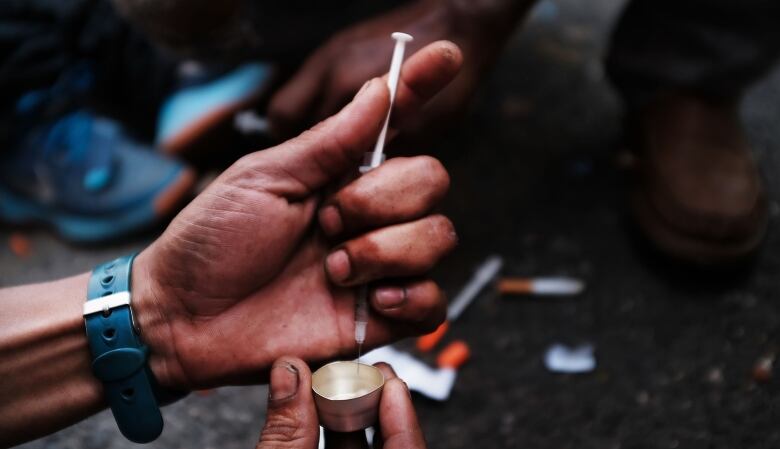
<point>332,73</point>
<point>264,261</point>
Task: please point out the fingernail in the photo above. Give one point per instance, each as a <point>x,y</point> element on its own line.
<point>364,88</point>
<point>284,382</point>
<point>337,265</point>
<point>390,297</point>
<point>330,220</point>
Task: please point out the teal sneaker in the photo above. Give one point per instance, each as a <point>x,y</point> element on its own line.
<point>82,175</point>
<point>205,103</point>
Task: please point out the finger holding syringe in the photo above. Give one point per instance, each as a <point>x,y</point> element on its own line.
<point>427,68</point>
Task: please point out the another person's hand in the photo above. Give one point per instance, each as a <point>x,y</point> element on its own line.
<point>266,260</point>
<point>291,421</point>
<point>335,71</point>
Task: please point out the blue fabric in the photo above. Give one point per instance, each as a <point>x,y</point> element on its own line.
<point>85,176</point>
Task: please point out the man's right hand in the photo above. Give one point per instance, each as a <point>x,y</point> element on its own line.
<point>292,421</point>
<point>266,261</point>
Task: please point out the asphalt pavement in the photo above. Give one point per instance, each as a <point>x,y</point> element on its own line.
<point>538,177</point>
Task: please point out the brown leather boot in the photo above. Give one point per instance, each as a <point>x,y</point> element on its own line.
<point>699,197</point>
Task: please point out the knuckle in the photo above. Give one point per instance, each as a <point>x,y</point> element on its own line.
<point>435,294</point>
<point>430,301</point>
<point>443,230</point>
<point>436,179</point>
<point>435,171</point>
<point>428,295</point>
<point>438,233</point>
<point>282,429</point>
<point>354,200</point>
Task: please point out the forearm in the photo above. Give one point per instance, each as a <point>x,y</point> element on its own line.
<point>47,382</point>
<point>45,361</point>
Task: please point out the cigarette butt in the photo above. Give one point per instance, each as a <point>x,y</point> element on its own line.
<point>515,286</point>
<point>428,342</point>
<point>540,286</point>
<point>454,355</point>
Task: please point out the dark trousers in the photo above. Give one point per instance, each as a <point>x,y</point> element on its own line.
<point>716,47</point>
<point>711,47</point>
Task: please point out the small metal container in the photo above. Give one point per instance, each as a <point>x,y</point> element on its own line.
<point>347,399</point>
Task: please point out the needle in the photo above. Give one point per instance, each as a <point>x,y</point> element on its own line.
<point>361,306</point>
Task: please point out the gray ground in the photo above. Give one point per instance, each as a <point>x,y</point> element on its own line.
<point>535,179</point>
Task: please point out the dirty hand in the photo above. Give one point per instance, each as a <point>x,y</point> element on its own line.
<point>266,260</point>
<point>335,71</point>
<point>291,421</point>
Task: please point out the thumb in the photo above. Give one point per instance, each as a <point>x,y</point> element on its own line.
<point>331,149</point>
<point>291,422</point>
<point>336,146</point>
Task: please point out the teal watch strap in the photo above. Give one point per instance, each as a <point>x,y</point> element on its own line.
<point>119,357</point>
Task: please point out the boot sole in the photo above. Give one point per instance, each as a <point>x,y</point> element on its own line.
<point>689,249</point>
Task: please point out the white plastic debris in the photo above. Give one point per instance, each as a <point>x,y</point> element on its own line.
<point>249,122</point>
<point>560,358</point>
<point>433,383</point>
<point>484,274</point>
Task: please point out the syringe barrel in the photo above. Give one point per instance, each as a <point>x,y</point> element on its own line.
<point>361,314</point>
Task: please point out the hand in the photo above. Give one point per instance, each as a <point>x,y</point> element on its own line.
<point>237,279</point>
<point>334,72</point>
<point>291,421</point>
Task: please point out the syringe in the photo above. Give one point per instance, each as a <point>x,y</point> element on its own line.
<point>376,158</point>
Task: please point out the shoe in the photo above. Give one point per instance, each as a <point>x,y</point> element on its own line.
<point>85,177</point>
<point>699,196</point>
<point>204,103</point>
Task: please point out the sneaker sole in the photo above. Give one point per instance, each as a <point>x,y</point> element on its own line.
<point>183,141</point>
<point>17,210</point>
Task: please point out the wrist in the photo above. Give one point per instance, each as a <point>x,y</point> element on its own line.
<point>152,320</point>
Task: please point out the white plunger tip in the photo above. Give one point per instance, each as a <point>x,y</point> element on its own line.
<point>402,37</point>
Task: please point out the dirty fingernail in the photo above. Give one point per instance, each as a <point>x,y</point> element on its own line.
<point>337,265</point>
<point>330,220</point>
<point>284,382</point>
<point>390,297</point>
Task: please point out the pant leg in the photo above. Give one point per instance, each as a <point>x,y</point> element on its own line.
<point>714,47</point>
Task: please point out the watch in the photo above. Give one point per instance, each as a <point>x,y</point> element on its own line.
<point>119,357</point>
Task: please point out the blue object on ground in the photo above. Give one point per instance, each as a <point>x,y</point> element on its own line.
<point>85,177</point>
<point>191,105</point>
